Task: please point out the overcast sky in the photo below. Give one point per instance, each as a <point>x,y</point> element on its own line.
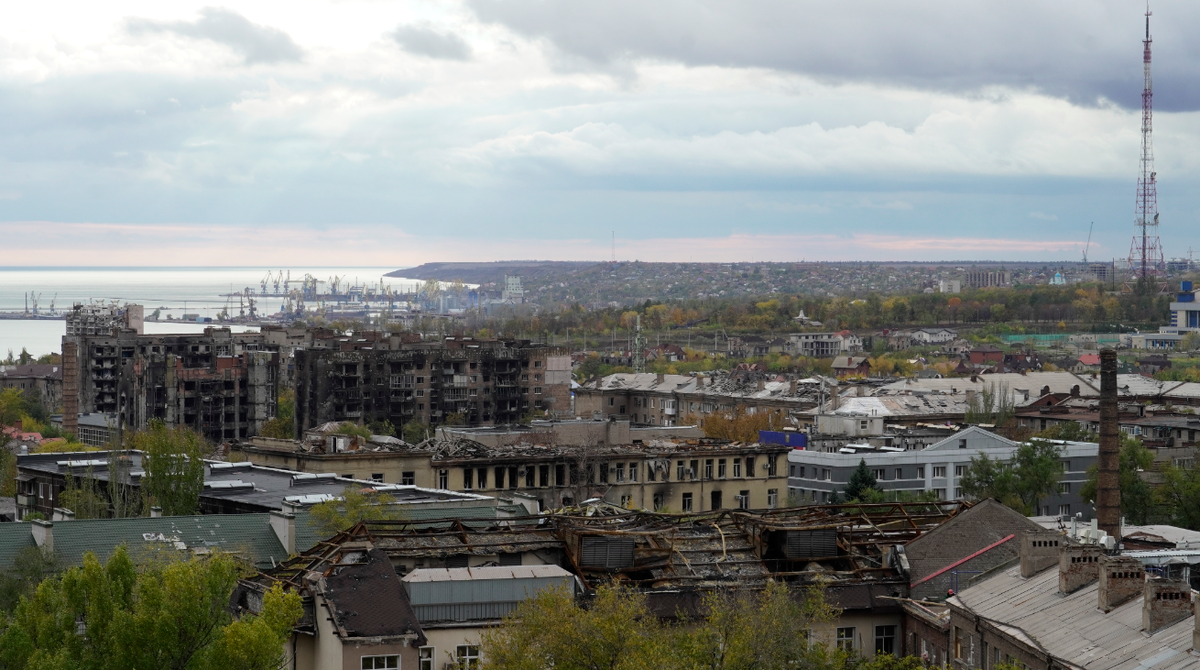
<point>394,133</point>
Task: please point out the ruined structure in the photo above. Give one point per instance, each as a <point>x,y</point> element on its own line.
<point>221,384</point>
<point>390,378</point>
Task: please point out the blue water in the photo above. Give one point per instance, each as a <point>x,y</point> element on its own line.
<point>176,290</point>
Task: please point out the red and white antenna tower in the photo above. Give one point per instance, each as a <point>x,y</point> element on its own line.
<point>1145,254</point>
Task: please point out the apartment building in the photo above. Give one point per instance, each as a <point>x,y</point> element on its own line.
<point>389,378</point>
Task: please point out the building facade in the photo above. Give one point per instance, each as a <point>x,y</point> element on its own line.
<point>222,384</point>
<point>41,383</point>
<point>817,476</point>
<point>487,382</point>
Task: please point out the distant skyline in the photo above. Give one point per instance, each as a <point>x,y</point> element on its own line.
<point>392,134</point>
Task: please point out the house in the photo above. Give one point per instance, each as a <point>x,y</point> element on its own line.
<point>927,336</point>
<point>985,353</point>
<point>851,366</point>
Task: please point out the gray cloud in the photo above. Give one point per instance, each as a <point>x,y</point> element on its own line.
<point>256,43</point>
<point>426,41</point>
<point>1086,51</point>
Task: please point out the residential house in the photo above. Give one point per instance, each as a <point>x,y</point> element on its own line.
<point>985,353</point>
<point>851,366</point>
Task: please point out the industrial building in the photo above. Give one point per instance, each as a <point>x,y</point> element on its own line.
<point>395,379</point>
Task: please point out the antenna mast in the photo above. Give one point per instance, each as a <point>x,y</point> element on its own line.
<point>1145,253</point>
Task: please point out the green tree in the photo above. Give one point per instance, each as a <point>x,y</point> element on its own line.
<point>356,504</point>
<point>351,428</point>
<point>993,404</point>
<point>83,496</point>
<point>1032,474</point>
<point>281,426</point>
<point>30,566</point>
<point>8,473</point>
<point>12,406</point>
<point>165,615</point>
<point>172,459</point>
<point>1137,499</point>
<point>414,432</point>
<point>1190,341</point>
<point>456,419</point>
<point>861,481</point>
<point>1180,493</point>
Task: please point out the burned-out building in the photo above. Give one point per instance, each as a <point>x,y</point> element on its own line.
<point>461,577</point>
<point>391,378</point>
<point>688,475</point>
<point>222,384</point>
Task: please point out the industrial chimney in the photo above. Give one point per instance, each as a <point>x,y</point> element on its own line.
<point>1108,494</point>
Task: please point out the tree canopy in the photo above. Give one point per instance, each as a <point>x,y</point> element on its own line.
<point>356,504</point>
<point>168,615</point>
<point>172,459</point>
<point>862,480</point>
<point>1032,474</point>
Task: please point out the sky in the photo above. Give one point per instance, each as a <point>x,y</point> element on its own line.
<point>396,133</point>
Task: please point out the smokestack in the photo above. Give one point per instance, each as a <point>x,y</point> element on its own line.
<point>1108,494</point>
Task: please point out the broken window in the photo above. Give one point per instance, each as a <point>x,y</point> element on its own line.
<point>721,468</point>
<point>633,472</point>
<point>744,499</point>
<point>708,470</point>
<point>620,473</point>
<point>845,638</point>
<point>408,478</point>
<point>737,467</point>
<point>772,498</point>
<point>749,467</point>
<point>809,544</point>
<point>468,478</point>
<point>687,502</point>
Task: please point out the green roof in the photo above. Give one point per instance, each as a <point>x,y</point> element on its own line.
<point>249,535</point>
<point>13,538</point>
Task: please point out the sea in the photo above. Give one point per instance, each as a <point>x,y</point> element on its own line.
<point>173,291</point>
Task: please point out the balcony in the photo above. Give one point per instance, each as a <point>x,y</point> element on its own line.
<point>25,500</point>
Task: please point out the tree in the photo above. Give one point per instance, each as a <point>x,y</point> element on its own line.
<point>83,496</point>
<point>740,425</point>
<point>30,566</point>
<point>414,432</point>
<point>1180,492</point>
<point>281,426</point>
<point>1190,341</point>
<point>168,615</point>
<point>351,428</point>
<point>12,406</point>
<point>1137,499</point>
<point>172,459</point>
<point>861,480</point>
<point>356,504</point>
<point>1032,474</point>
<point>992,404</point>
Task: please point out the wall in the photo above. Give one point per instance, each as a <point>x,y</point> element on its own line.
<point>864,625</point>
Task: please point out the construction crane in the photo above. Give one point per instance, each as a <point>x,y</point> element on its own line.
<point>1089,242</point>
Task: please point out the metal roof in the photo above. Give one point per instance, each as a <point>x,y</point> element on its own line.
<point>491,572</point>
<point>1072,628</point>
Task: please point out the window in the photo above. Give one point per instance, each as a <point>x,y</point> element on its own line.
<point>389,661</point>
<point>425,656</point>
<point>749,467</point>
<point>420,393</point>
<point>679,471</point>
<point>633,472</point>
<point>1064,487</point>
<point>885,639</point>
<point>737,467</point>
<point>537,390</point>
<point>687,502</point>
<point>960,470</point>
<point>744,500</point>
<point>659,501</point>
<point>1066,466</point>
<point>772,498</point>
<point>620,474</point>
<point>958,493</point>
<point>845,638</point>
<point>880,474</point>
<point>958,635</point>
<point>803,472</point>
<point>443,479</point>
<point>716,500</point>
<point>695,469</point>
<point>483,478</point>
<point>408,478</point>
<point>708,468</point>
<point>899,474</point>
<point>940,494</point>
<point>610,402</point>
<point>920,472</point>
<point>604,473</point>
<point>1064,510</point>
<point>530,476</point>
<point>826,475</point>
<point>939,472</point>
<point>721,468</point>
<point>467,656</point>
<point>468,478</point>
<point>626,501</point>
<point>962,444</point>
<point>376,476</point>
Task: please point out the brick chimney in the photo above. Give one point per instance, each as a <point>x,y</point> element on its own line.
<point>1039,550</point>
<point>660,378</point>
<point>1166,602</point>
<point>1121,579</point>
<point>1078,566</point>
<point>792,387</point>
<point>1108,493</point>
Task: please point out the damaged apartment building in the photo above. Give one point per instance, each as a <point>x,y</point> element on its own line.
<point>224,385</point>
<point>442,583</point>
<point>392,378</point>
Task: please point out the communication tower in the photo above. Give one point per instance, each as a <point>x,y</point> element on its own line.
<point>1145,253</point>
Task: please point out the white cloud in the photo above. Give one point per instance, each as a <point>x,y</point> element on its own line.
<point>1043,216</point>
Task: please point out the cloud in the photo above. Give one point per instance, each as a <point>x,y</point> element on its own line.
<point>425,41</point>
<point>255,43</point>
<point>1087,51</point>
<point>1043,216</point>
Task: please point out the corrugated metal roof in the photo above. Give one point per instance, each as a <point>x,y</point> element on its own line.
<point>491,572</point>
<point>1072,628</point>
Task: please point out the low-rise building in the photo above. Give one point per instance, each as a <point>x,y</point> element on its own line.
<point>691,475</point>
<point>938,468</point>
<point>38,382</point>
